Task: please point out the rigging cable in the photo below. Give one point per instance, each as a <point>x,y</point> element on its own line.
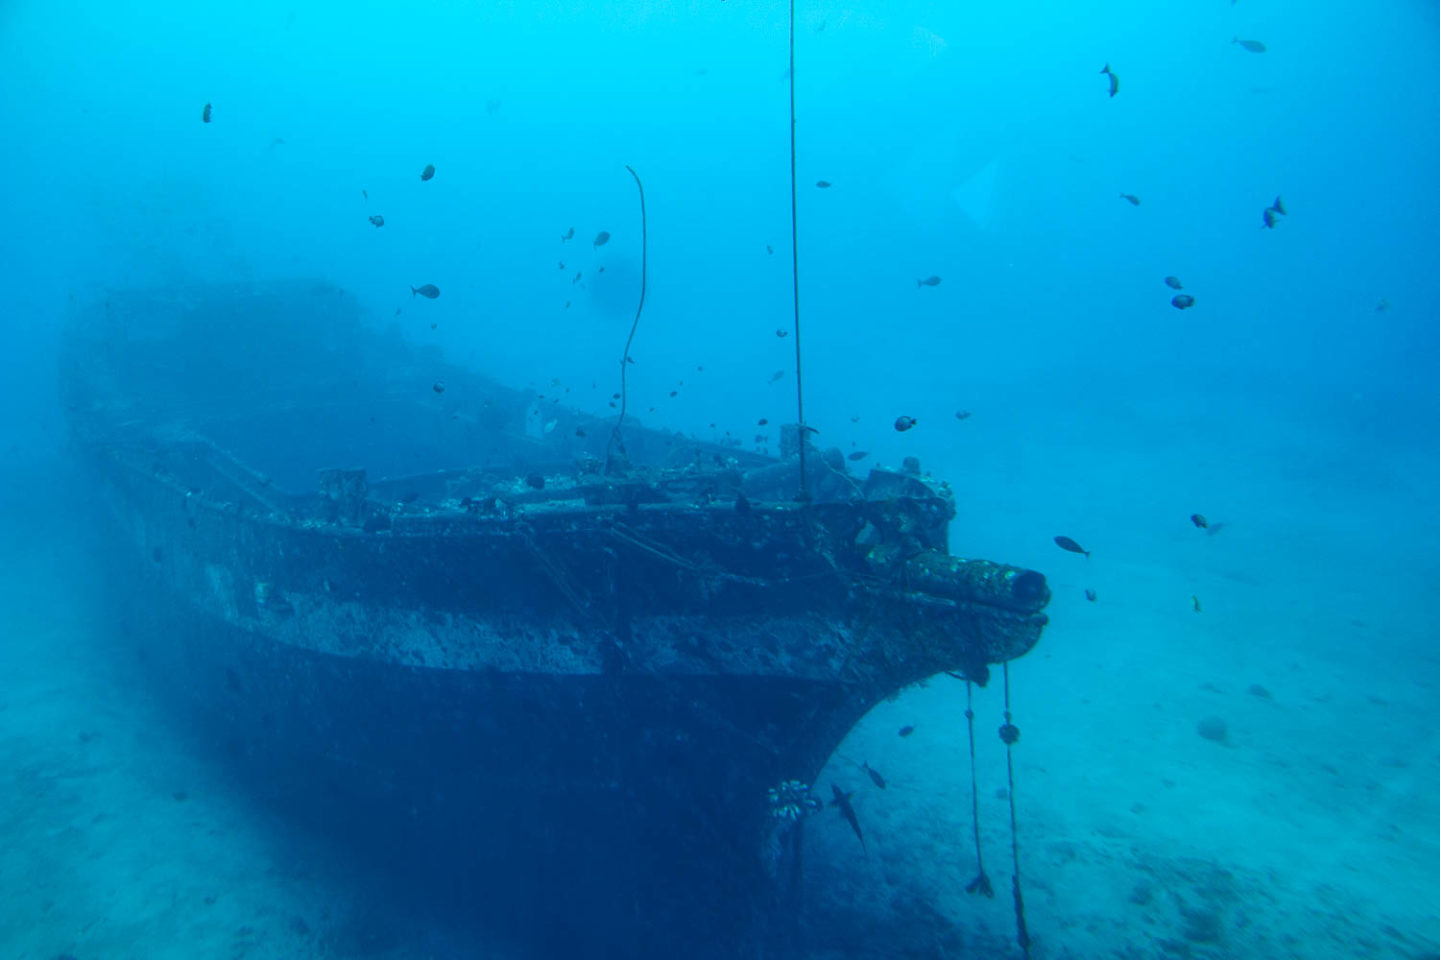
<point>795,272</point>
<point>1009,733</point>
<point>615,439</point>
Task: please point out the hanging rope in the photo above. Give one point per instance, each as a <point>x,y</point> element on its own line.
<point>1009,733</point>
<point>615,440</point>
<point>804,494</point>
<point>981,883</point>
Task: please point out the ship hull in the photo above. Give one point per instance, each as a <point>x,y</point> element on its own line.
<point>581,689</point>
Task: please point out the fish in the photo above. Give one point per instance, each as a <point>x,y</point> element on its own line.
<point>1089,594</point>
<point>601,239</point>
<point>1254,46</point>
<point>378,220</point>
<point>1114,80</point>
<point>859,455</point>
<point>823,184</point>
<point>429,291</point>
<point>1065,543</point>
<point>1382,306</point>
<point>776,375</point>
<point>205,114</point>
<point>761,422</point>
<point>842,800</point>
<point>535,481</point>
<point>906,730</point>
<point>1278,206</point>
<point>1270,218</point>
<point>1134,200</point>
<point>1199,520</point>
<point>576,278</point>
<point>580,431</point>
<point>1182,301</point>
<point>769,249</point>
<point>1174,283</point>
<point>927,282</point>
<point>903,423</point>
<point>875,777</point>
<point>782,334</point>
<point>567,235</point>
<point>428,172</point>
<point>438,387</point>
<point>1195,602</point>
<point>561,264</point>
<point>962,414</point>
<point>365,194</point>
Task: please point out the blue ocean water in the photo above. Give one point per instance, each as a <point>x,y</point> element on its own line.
<point>1293,405</point>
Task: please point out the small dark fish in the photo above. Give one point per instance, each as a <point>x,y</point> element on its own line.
<point>429,291</point>
<point>875,777</point>
<point>438,387</point>
<point>1134,200</point>
<point>1199,520</point>
<point>1089,594</point>
<point>601,270</point>
<point>782,334</point>
<point>579,431</point>
<point>1254,46</point>
<point>778,374</point>
<point>1182,301</point>
<point>1174,283</point>
<point>428,172</point>
<point>378,220</point>
<point>1114,80</point>
<point>567,304</point>
<point>906,730</point>
<point>1270,218</point>
<point>568,234</point>
<point>962,414</point>
<point>842,800</point>
<point>927,282</point>
<point>576,278</point>
<point>769,249</point>
<point>859,455</point>
<point>761,422</point>
<point>365,194</point>
<point>1278,206</point>
<point>1065,543</point>
<point>1195,602</point>
<point>561,264</point>
<point>904,423</point>
<point>823,184</point>
<point>535,481</point>
<point>205,114</point>
<point>1382,306</point>
<point>601,239</point>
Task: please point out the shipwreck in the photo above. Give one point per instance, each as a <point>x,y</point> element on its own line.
<point>591,692</point>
